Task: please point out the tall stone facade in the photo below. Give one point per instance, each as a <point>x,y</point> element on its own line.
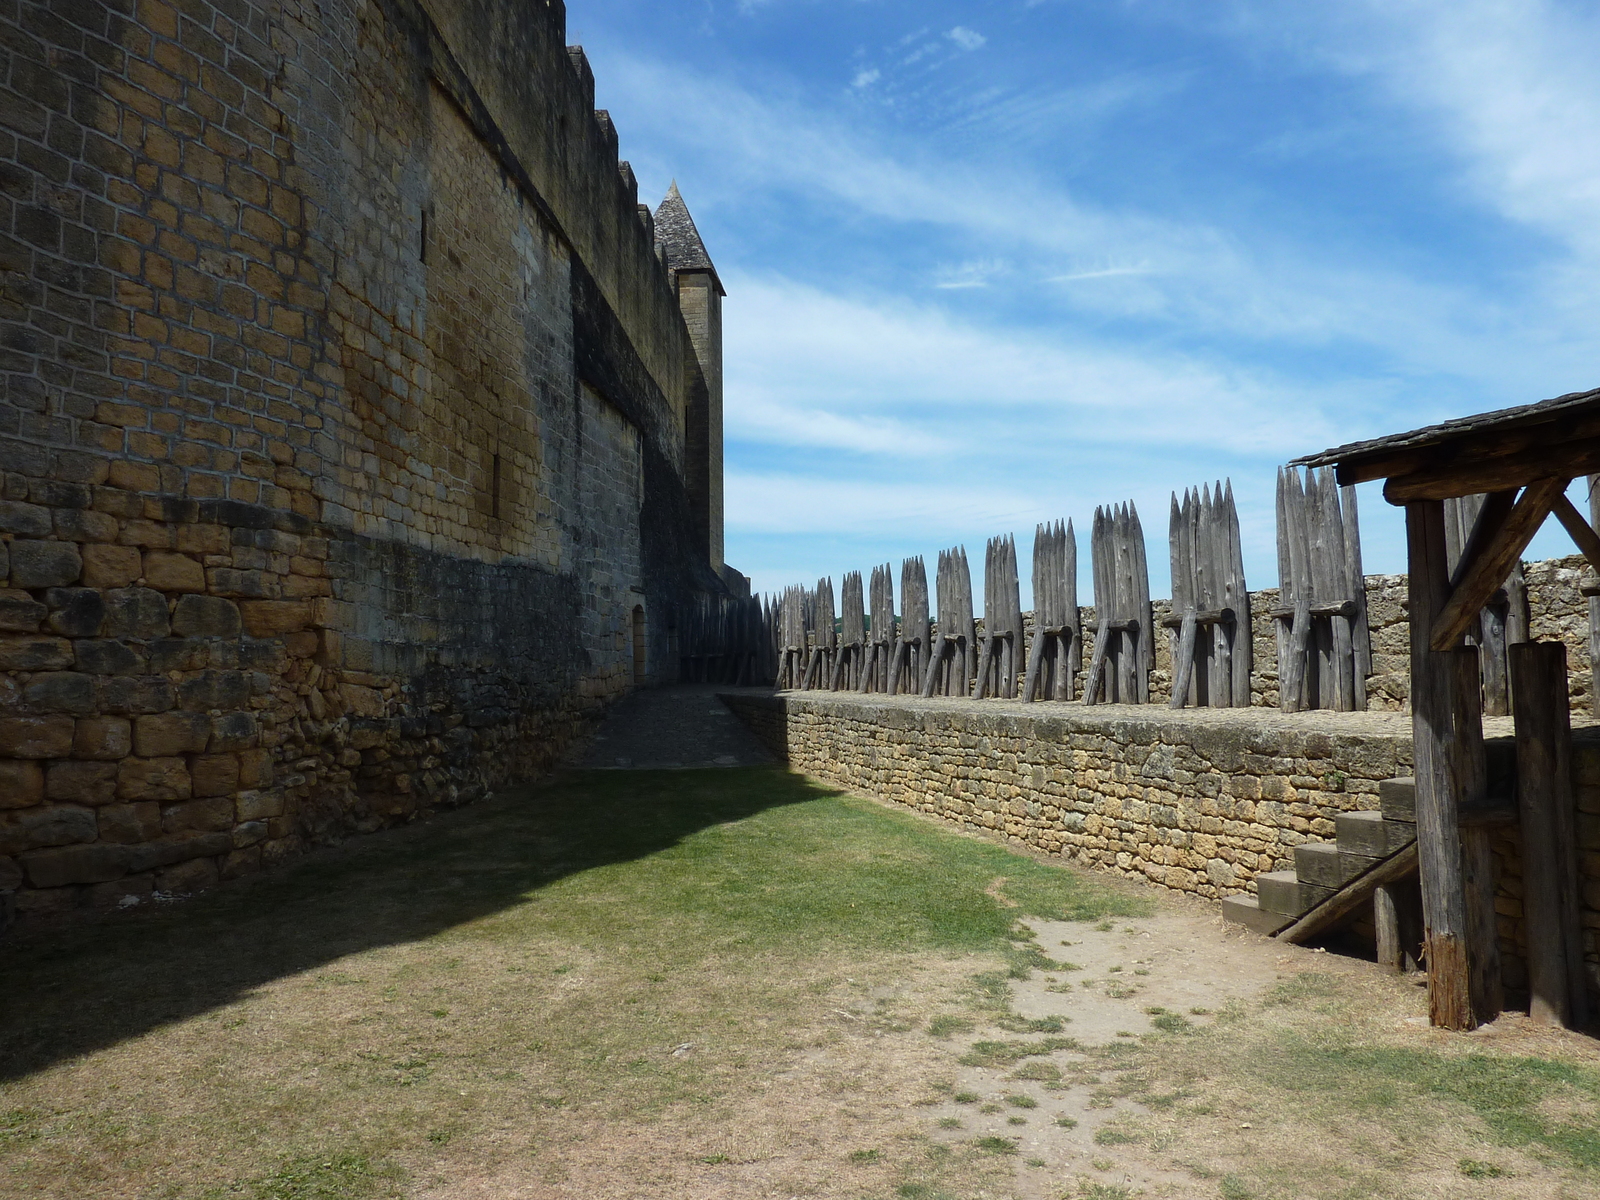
<point>356,446</point>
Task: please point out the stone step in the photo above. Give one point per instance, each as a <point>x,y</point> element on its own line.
<point>1284,892</point>
<point>1371,835</point>
<point>1244,910</point>
<point>1398,799</point>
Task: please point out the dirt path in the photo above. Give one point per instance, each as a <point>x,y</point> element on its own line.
<point>673,727</point>
<point>1183,965</point>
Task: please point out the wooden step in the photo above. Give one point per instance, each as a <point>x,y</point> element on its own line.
<point>1371,835</point>
<point>1398,800</point>
<point>1284,892</point>
<point>1319,863</point>
<point>1243,910</point>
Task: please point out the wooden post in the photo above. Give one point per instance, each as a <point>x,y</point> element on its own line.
<point>1386,920</point>
<point>1447,737</point>
<point>1594,608</point>
<point>1477,860</point>
<point>1550,899</point>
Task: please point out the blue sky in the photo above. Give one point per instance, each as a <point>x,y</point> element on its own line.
<point>995,263</point>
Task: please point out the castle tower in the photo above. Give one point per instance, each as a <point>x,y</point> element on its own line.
<point>700,295</point>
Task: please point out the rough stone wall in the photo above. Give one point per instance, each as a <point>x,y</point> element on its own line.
<point>1200,801</point>
<point>342,428</point>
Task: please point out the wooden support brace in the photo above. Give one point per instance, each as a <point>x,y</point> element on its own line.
<point>1352,895</point>
<point>1493,549</point>
<point>1031,680</point>
<point>1183,669</point>
<point>1213,616</point>
<point>1097,664</point>
<point>1582,532</point>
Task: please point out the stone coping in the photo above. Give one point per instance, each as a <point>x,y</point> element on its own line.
<point>1056,717</point>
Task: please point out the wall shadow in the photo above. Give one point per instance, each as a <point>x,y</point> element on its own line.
<point>73,990</point>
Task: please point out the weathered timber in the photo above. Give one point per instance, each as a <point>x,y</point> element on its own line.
<point>1550,899</point>
<point>1386,926</point>
<point>1324,649</point>
<point>1463,479</point>
<point>795,612</point>
<point>1579,529</point>
<point>1002,621</point>
<point>911,651</point>
<point>950,661</point>
<point>824,635</point>
<point>1469,523</point>
<point>1447,741</point>
<point>1592,591</point>
<point>1119,672</point>
<point>881,639</point>
<point>1208,618</point>
<point>1469,441</point>
<point>1397,919</point>
<point>1057,639</point>
<point>1360,631</point>
<point>1211,650</point>
<point>848,661</point>
<point>1487,561</point>
<point>1352,895</point>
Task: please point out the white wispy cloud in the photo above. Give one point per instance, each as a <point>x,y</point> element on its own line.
<point>967,39</point>
<point>809,364</point>
<point>1206,279</point>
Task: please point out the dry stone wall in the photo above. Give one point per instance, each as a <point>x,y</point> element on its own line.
<point>1199,801</point>
<point>343,400</point>
<point>1557,609</point>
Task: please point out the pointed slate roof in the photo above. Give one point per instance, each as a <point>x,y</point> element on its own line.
<point>675,230</point>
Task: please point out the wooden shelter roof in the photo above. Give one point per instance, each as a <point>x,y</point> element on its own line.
<point>1488,452</point>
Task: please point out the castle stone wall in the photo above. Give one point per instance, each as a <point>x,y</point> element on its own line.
<point>342,428</point>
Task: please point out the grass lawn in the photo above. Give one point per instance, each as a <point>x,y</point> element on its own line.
<point>621,984</point>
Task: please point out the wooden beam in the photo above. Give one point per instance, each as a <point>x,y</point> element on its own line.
<point>1491,519</point>
<point>1483,574</point>
<point>1582,532</point>
<point>1444,742</point>
<point>1352,895</point>
<point>1550,900</point>
<point>1456,476</point>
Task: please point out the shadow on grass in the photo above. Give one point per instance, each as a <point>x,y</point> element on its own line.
<point>75,990</point>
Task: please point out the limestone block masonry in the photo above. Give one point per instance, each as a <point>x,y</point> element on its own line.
<point>1196,800</point>
<point>343,406</point>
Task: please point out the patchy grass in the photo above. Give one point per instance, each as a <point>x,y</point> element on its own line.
<point>636,956</point>
<point>948,1024</point>
<point>1006,1054</point>
<point>1509,1095</point>
<point>1322,1088</point>
<point>996,1145</point>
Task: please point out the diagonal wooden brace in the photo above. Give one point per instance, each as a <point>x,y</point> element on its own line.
<point>1489,556</point>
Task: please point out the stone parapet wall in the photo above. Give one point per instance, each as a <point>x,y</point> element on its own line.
<point>1199,801</point>
<point>1557,611</point>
